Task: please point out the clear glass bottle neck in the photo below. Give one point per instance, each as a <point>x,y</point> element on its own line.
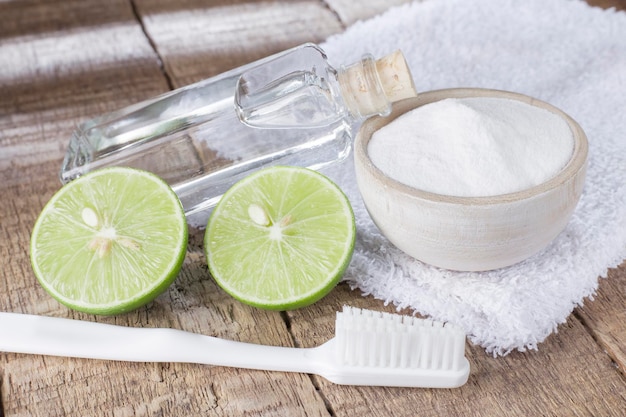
<point>362,89</point>
<point>299,89</point>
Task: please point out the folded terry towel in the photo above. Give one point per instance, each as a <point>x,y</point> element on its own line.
<point>560,51</point>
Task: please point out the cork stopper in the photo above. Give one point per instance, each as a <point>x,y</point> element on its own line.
<point>395,77</point>
<point>370,86</point>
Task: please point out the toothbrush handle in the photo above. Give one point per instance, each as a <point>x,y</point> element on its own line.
<point>22,333</point>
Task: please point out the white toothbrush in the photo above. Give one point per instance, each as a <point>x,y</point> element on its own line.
<point>369,348</point>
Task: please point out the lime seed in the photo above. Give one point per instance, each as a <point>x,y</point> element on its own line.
<point>258,215</point>
<point>302,248</point>
<point>109,241</point>
<point>90,217</point>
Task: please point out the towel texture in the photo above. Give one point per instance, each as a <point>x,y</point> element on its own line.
<point>560,51</point>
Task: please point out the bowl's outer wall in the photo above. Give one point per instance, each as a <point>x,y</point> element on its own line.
<point>475,234</point>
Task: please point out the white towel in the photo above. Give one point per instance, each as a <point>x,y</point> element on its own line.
<point>560,51</point>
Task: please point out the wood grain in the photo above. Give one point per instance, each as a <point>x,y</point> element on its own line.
<point>606,4</point>
<point>605,316</point>
<point>556,381</point>
<point>76,59</point>
<point>53,82</point>
<point>55,85</point>
<point>349,14</point>
<point>196,41</point>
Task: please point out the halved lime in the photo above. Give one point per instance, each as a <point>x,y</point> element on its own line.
<point>280,238</point>
<point>109,241</point>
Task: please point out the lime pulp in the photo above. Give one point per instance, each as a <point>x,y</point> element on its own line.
<point>109,241</point>
<point>280,238</point>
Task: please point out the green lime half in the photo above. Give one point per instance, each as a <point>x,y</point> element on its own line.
<point>109,241</point>
<point>280,238</point>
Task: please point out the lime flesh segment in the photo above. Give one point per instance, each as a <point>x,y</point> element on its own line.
<point>281,238</point>
<point>109,241</point>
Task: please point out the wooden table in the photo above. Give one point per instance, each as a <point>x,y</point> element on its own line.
<point>62,62</point>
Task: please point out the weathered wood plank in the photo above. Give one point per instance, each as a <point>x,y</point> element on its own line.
<point>605,4</point>
<point>55,83</point>
<point>54,79</point>
<point>605,316</point>
<point>76,59</point>
<point>34,17</point>
<point>569,376</point>
<point>197,39</point>
<point>349,12</point>
<point>49,386</point>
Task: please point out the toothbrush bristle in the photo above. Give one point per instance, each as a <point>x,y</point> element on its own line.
<point>378,339</point>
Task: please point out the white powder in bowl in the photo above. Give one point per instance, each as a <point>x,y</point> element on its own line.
<point>473,147</point>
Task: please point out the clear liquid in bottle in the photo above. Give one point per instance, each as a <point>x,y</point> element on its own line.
<point>290,109</point>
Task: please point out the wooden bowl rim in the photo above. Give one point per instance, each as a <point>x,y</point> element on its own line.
<point>576,163</point>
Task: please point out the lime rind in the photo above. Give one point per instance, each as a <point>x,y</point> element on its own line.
<point>149,245</point>
<point>309,258</point>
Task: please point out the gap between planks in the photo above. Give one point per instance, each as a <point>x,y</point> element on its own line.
<point>153,45</point>
<point>285,317</point>
<point>318,388</point>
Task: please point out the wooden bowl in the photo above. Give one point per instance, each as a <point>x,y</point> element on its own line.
<point>469,233</point>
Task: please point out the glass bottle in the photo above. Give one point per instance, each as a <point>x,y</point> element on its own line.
<point>291,108</point>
